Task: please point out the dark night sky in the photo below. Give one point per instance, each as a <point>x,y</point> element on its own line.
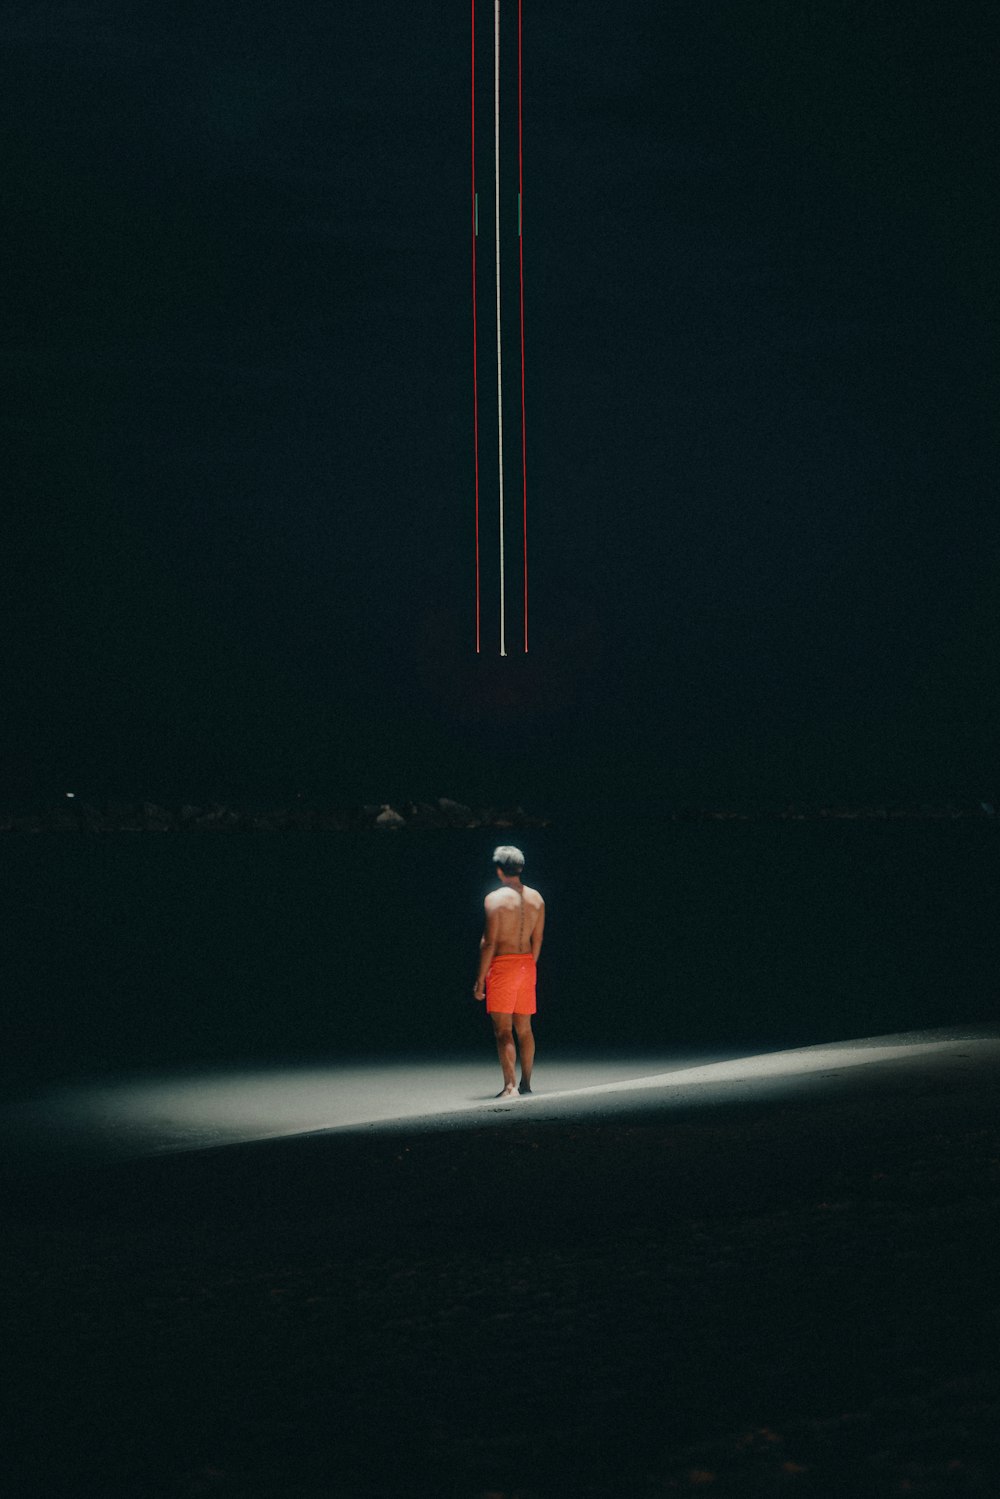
<point>760,320</point>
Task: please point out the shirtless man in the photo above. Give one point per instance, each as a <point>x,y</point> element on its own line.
<point>508,953</point>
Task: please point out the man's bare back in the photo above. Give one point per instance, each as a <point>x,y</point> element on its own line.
<point>517,919</point>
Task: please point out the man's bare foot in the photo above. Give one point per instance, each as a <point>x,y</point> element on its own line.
<point>508,1091</point>
<point>524,1088</point>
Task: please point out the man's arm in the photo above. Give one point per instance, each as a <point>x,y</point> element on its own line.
<point>487,947</point>
<point>536,935</point>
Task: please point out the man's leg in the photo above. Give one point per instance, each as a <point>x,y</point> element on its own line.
<point>505,1051</point>
<point>526,1046</point>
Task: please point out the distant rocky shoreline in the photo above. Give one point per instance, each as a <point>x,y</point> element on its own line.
<point>947,813</point>
<point>76,815</point>
<point>151,817</point>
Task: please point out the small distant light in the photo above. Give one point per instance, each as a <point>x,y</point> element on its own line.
<point>71,794</point>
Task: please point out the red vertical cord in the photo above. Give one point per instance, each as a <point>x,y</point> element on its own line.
<point>475,361</point>
<point>520,185</point>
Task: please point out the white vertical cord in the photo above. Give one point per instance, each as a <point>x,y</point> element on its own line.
<point>496,219</point>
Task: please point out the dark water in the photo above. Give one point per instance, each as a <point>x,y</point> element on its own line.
<point>142,950</point>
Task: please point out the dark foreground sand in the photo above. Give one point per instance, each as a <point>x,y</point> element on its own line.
<point>795,1295</point>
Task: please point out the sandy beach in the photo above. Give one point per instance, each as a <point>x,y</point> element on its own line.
<point>772,1290</point>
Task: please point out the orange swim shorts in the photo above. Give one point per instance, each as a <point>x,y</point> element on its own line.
<point>510,984</point>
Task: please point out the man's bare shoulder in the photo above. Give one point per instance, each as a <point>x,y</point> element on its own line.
<point>503,896</point>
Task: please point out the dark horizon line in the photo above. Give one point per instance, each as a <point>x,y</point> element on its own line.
<point>314,814</point>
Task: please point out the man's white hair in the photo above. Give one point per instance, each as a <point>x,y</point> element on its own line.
<point>509,858</point>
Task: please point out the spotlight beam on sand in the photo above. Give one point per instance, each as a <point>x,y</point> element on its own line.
<point>142,1116</point>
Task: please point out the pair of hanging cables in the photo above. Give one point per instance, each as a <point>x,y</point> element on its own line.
<point>475,357</point>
